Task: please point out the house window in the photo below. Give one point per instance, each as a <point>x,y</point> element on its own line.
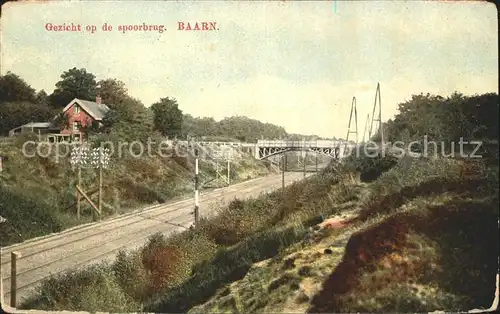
<point>76,126</point>
<point>77,109</point>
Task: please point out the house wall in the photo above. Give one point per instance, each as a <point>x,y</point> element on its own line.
<point>83,117</point>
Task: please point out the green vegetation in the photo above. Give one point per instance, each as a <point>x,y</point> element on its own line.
<point>419,234</point>
<point>74,83</point>
<point>445,119</point>
<point>38,194</point>
<point>20,104</point>
<point>418,247</point>
<point>167,117</point>
<point>41,190</point>
<point>131,182</point>
<point>239,128</point>
<point>176,273</point>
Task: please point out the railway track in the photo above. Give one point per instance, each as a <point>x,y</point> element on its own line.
<point>91,243</point>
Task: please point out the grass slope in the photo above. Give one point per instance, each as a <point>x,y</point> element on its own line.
<point>420,237</point>
<point>424,238</point>
<point>37,194</point>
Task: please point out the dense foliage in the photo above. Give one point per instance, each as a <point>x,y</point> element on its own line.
<point>445,120</point>
<point>239,128</point>
<point>14,114</point>
<point>129,118</point>
<point>74,83</point>
<point>14,88</point>
<point>167,117</point>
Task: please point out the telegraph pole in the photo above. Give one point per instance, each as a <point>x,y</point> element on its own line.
<point>353,108</point>
<point>283,166</point>
<point>304,160</point>
<point>100,181</point>
<point>366,126</point>
<point>78,194</point>
<point>217,170</point>
<point>379,119</point>
<point>228,171</point>
<point>196,191</point>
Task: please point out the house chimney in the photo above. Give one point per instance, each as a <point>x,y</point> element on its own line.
<point>98,99</point>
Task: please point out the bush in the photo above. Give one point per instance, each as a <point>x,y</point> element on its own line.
<point>229,264</point>
<point>197,246</point>
<point>92,288</point>
<point>238,221</point>
<point>131,274</point>
<point>26,217</point>
<point>370,167</point>
<point>164,262</point>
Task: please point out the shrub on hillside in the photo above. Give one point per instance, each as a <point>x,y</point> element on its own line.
<point>92,289</point>
<point>131,274</point>
<point>230,264</point>
<point>370,166</point>
<point>164,262</point>
<point>197,246</point>
<point>411,172</point>
<point>238,220</point>
<point>26,217</point>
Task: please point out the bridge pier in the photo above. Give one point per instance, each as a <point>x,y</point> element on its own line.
<point>256,151</point>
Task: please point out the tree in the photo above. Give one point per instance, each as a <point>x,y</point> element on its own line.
<point>129,120</point>
<point>74,83</point>
<point>14,114</point>
<point>42,97</point>
<point>61,121</point>
<point>14,88</point>
<point>112,92</point>
<point>445,119</point>
<point>167,117</point>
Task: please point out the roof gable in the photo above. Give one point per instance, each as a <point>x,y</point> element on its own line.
<point>95,110</point>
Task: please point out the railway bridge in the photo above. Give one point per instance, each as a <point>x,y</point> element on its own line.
<point>266,148</point>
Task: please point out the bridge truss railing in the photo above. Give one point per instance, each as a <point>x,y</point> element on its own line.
<point>298,144</point>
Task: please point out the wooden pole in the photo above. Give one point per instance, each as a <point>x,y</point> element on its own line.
<point>228,172</point>
<point>366,125</point>
<point>316,162</point>
<point>304,161</point>
<point>217,170</point>
<point>381,129</point>
<point>283,167</point>
<point>88,199</point>
<point>196,191</point>
<point>13,277</point>
<point>77,194</point>
<point>100,181</point>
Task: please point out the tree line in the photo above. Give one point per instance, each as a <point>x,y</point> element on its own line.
<point>445,119</point>
<point>128,117</point>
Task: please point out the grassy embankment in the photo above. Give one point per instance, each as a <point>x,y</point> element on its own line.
<point>188,268</point>
<point>423,238</point>
<point>37,195</point>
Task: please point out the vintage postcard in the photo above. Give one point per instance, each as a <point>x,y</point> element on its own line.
<point>249,156</point>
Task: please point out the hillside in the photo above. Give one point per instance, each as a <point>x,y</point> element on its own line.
<point>404,247</point>
<point>331,243</point>
<point>38,194</point>
<point>385,234</point>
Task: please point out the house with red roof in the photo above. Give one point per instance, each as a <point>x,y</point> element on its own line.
<point>80,113</point>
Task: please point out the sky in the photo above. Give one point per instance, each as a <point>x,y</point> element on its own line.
<point>294,64</point>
